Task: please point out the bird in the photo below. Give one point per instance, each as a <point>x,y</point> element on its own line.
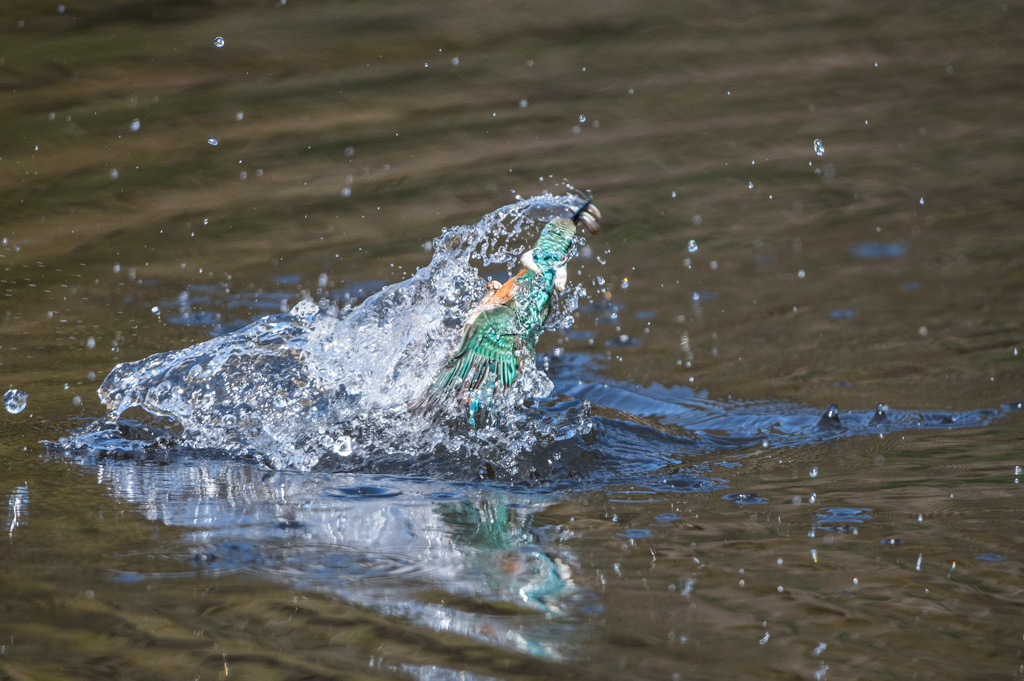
<point>501,332</point>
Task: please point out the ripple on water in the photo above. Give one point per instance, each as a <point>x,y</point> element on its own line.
<point>840,519</point>
<point>745,498</point>
<point>361,492</point>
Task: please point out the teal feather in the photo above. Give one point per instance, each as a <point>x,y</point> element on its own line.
<point>502,335</point>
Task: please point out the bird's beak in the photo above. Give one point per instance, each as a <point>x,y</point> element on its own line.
<point>589,217</point>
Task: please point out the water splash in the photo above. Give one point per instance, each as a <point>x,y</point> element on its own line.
<point>326,387</point>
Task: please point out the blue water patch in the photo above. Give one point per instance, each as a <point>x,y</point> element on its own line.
<point>841,519</point>
<point>637,533</point>
<point>875,250</point>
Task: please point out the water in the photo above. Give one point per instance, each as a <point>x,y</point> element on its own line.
<point>330,387</point>
<point>15,401</point>
<point>675,497</point>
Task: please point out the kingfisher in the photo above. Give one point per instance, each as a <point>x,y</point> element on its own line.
<point>502,330</point>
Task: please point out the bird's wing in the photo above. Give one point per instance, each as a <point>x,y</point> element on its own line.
<point>486,359</point>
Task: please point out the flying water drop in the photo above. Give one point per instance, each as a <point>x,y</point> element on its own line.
<point>819,148</point>
<point>218,41</point>
<point>692,246</point>
<point>15,401</point>
<point>212,141</point>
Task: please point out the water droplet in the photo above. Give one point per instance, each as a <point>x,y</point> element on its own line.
<point>673,195</point>
<point>583,119</point>
<point>814,471</point>
<point>692,246</point>
<point>819,148</point>
<point>240,115</point>
<point>801,274</point>
<point>15,401</point>
<point>218,41</point>
<point>523,103</point>
<point>91,343</point>
<point>346,192</point>
<point>212,141</point>
<point>455,61</point>
<point>921,201</point>
<point>113,173</point>
<point>77,401</point>
<point>750,185</point>
<point>136,124</point>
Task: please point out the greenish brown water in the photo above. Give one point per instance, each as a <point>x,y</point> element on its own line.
<point>889,269</point>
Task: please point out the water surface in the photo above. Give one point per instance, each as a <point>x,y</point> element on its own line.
<point>804,204</point>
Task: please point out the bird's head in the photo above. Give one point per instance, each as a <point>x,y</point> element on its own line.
<point>557,237</point>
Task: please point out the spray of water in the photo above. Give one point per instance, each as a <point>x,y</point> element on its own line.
<point>328,388</point>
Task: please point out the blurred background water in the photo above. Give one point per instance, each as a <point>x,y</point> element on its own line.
<point>805,204</point>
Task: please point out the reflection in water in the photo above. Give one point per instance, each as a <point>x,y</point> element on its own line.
<point>465,559</point>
